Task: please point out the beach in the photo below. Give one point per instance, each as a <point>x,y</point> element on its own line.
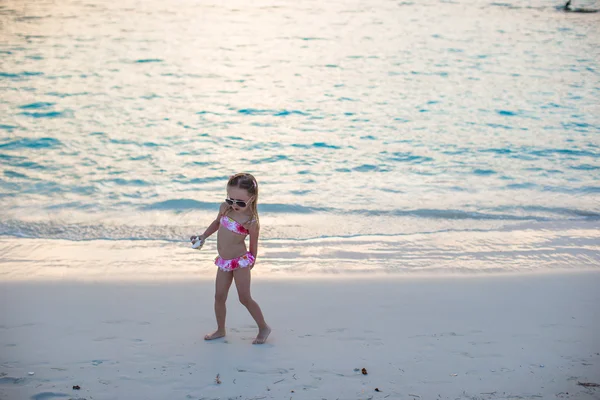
<point>499,336</point>
<point>428,198</point>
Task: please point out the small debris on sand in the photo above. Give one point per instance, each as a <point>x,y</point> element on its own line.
<point>364,371</point>
<point>588,384</point>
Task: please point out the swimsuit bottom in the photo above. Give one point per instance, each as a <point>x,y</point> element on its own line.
<point>230,265</point>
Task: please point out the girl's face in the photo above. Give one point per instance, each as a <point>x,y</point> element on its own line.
<point>237,196</point>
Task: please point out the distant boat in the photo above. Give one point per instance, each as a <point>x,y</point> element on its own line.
<point>567,8</point>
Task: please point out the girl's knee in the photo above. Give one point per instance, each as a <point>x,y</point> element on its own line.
<point>220,297</point>
<point>245,299</point>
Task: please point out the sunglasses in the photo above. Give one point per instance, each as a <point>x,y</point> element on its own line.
<point>239,203</point>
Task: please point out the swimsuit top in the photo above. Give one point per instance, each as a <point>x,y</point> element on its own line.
<point>234,226</point>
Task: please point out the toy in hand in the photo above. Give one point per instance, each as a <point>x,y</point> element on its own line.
<point>197,242</point>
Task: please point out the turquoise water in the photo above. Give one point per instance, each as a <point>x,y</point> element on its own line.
<point>367,124</point>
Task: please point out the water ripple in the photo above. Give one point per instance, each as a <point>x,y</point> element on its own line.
<point>482,125</point>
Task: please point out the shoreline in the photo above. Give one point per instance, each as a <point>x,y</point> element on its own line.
<point>444,254</point>
<point>267,277</point>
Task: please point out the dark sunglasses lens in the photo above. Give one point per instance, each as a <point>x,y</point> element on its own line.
<point>230,202</point>
<point>241,204</point>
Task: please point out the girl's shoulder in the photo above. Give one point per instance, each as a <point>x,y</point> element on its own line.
<point>252,223</point>
<point>223,209</point>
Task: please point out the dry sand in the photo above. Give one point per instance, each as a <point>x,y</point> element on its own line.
<point>493,337</point>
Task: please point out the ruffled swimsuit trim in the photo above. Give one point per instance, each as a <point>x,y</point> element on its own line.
<point>234,226</point>
<point>231,265</point>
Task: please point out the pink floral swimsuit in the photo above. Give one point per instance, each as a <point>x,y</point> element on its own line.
<point>240,262</point>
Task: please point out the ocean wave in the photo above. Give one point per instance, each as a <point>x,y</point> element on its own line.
<point>509,213</point>
<point>30,143</point>
<point>296,223</point>
<point>60,230</point>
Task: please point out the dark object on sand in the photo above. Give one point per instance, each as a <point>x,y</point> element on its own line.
<point>588,384</point>
<point>218,380</point>
<point>364,371</point>
<point>76,387</point>
<point>567,8</point>
<point>377,390</point>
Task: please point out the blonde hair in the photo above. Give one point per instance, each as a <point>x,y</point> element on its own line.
<point>247,182</point>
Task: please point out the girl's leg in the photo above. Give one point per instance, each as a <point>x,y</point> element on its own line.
<point>222,285</point>
<point>242,283</point>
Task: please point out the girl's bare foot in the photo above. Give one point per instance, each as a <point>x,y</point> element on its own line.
<point>215,335</point>
<point>262,336</point>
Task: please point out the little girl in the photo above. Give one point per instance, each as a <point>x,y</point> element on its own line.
<point>237,218</point>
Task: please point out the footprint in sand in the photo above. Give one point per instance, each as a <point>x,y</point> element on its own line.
<point>469,355</point>
<point>321,372</point>
<point>8,380</point>
<point>478,343</point>
<point>17,326</point>
<point>270,371</point>
<point>447,334</point>
<point>104,338</point>
<point>48,395</point>
<point>115,321</point>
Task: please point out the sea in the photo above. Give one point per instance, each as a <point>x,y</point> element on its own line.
<point>387,137</point>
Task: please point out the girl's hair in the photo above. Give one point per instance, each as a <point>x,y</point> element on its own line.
<point>247,182</point>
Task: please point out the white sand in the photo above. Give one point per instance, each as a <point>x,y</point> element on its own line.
<point>494,337</point>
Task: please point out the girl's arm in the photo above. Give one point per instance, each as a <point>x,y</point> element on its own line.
<point>254,230</point>
<point>214,226</point>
